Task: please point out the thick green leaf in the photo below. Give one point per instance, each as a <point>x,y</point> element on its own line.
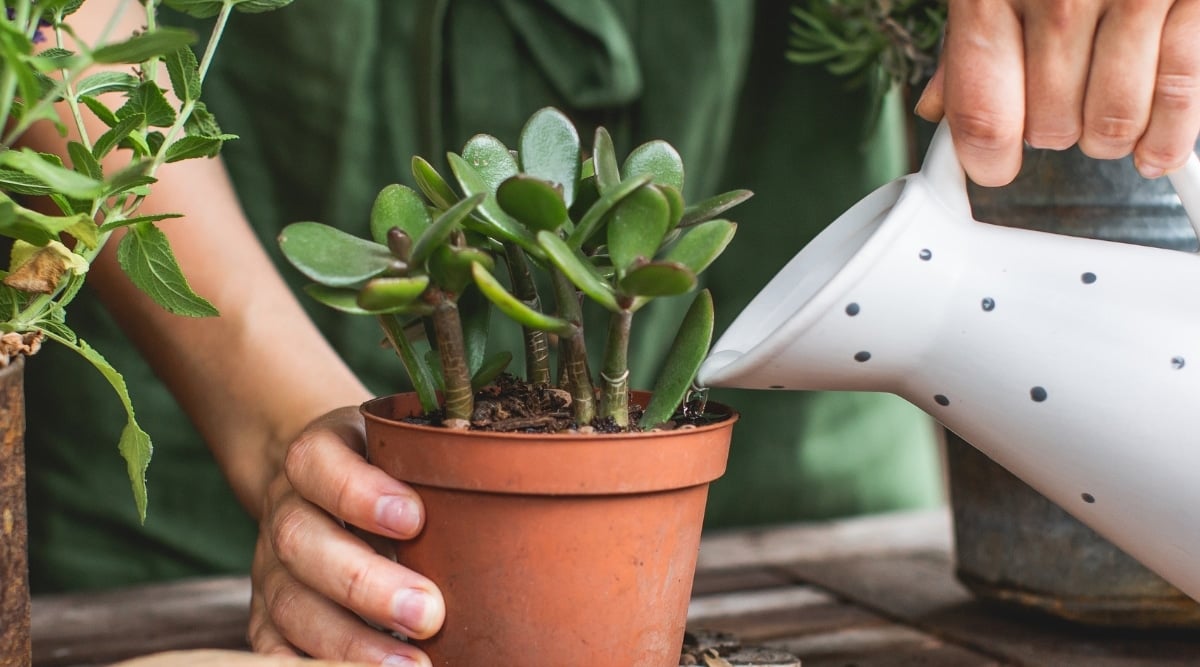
<point>148,100</point>
<point>146,257</point>
<point>533,202</point>
<point>135,445</point>
<point>418,371</point>
<point>637,226</point>
<point>386,294</point>
<point>144,46</point>
<point>683,360</point>
<point>332,257</point>
<point>657,158</point>
<point>491,368</point>
<point>550,150</point>
<point>674,203</point>
<point>184,71</point>
<point>495,221</point>
<point>475,312</point>
<point>346,301</point>
<point>701,244</point>
<point>450,267</point>
<point>658,279</point>
<point>491,159</point>
<point>259,6</point>
<point>432,184</point>
<point>604,156</point>
<point>441,229</point>
<point>578,270</point>
<point>598,213</point>
<point>398,206</point>
<point>61,179</point>
<point>106,82</point>
<point>713,206</point>
<point>515,309</point>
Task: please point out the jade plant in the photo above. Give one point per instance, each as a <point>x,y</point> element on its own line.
<point>590,230</point>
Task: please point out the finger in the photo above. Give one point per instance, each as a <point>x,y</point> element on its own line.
<point>1174,123</point>
<point>931,104</point>
<point>985,88</point>
<point>324,467</point>
<point>328,559</point>
<point>1058,53</point>
<point>261,633</point>
<point>322,629</point>
<point>1120,86</point>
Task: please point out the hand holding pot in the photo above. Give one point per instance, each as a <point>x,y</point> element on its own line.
<point>313,578</point>
<point>1115,76</point>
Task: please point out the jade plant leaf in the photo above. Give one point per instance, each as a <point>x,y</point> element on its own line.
<point>346,301</point>
<point>549,150</point>
<point>657,158</point>
<point>476,313</point>
<point>491,159</point>
<point>495,221</point>
<point>432,184</point>
<point>440,230</point>
<point>535,203</point>
<point>450,267</point>
<point>658,279</point>
<point>515,309</point>
<point>683,360</point>
<point>674,202</point>
<point>332,257</point>
<point>713,206</point>
<point>604,159</point>
<point>578,270</point>
<point>388,294</point>
<point>637,226</point>
<point>700,245</point>
<point>591,221</point>
<point>398,206</point>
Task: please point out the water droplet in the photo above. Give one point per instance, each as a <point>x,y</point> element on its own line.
<point>1088,498</point>
<point>988,303</point>
<point>862,356</point>
<point>941,400</point>
<point>694,402</point>
<point>1038,394</point>
<point>1088,278</point>
<point>852,309</point>
<point>1177,362</point>
<point>926,254</point>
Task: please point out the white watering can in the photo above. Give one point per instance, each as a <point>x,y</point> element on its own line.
<point>1074,363</point>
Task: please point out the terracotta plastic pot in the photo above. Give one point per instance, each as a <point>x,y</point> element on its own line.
<point>554,550</point>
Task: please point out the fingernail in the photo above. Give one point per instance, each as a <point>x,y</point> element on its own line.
<point>413,609</point>
<point>398,514</point>
<point>399,661</point>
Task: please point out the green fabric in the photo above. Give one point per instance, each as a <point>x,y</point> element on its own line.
<point>331,100</point>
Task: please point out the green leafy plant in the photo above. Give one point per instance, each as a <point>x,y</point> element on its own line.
<point>875,42</point>
<point>109,174</point>
<point>618,234</point>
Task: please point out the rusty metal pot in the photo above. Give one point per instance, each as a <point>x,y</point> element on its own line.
<point>15,646</point>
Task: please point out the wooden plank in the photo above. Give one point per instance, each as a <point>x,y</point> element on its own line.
<point>890,644</point>
<point>898,532</point>
<point>920,590</point>
<point>709,582</point>
<point>107,626</point>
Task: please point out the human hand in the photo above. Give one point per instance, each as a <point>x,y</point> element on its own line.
<point>313,579</point>
<point>1115,76</point>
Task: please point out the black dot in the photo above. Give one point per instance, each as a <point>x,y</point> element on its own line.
<point>1089,498</point>
<point>852,309</point>
<point>988,303</point>
<point>941,400</point>
<point>1038,394</point>
<point>1177,362</point>
<point>926,254</point>
<point>1088,278</point>
<point>777,386</point>
<point>862,356</point>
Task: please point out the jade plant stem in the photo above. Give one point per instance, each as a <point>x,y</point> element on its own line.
<point>537,344</point>
<point>574,351</point>
<point>614,388</point>
<point>447,325</point>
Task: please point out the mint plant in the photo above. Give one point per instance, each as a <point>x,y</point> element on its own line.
<point>110,174</point>
<point>601,233</point>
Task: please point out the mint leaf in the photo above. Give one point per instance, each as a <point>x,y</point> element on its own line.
<point>144,46</point>
<point>185,74</point>
<point>145,256</point>
<point>148,100</point>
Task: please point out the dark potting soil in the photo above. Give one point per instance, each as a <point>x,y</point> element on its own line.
<point>513,405</point>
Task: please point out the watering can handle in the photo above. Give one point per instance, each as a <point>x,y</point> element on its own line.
<point>945,174</point>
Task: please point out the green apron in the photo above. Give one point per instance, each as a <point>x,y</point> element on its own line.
<point>331,100</point>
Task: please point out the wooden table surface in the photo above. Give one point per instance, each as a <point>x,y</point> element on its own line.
<point>876,590</point>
